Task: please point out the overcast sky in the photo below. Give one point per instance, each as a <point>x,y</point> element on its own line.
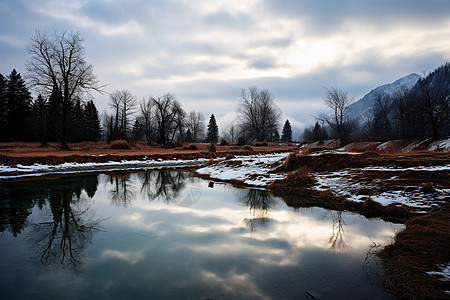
<point>205,51</point>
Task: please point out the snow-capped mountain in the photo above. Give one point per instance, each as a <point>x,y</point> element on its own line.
<point>363,108</point>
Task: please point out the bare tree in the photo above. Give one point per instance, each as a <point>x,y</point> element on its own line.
<point>168,118</point>
<point>124,104</point>
<point>435,104</point>
<point>339,101</point>
<point>259,116</point>
<point>146,119</point>
<point>381,114</point>
<point>196,124</point>
<point>58,63</point>
<point>399,103</point>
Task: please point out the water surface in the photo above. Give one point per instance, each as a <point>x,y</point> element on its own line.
<point>167,235</point>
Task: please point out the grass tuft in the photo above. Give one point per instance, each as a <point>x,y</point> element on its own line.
<point>120,144</point>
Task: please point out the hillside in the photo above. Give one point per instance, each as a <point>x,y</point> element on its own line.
<point>363,108</point>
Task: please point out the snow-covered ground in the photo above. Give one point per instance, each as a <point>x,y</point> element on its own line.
<point>67,168</point>
<point>347,183</point>
<point>253,170</point>
<point>443,145</point>
<point>257,170</point>
<point>443,274</point>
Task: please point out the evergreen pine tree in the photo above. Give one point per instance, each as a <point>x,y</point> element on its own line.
<point>276,136</point>
<point>319,133</point>
<point>18,108</point>
<point>188,136</point>
<point>76,130</point>
<point>40,119</point>
<point>286,134</point>
<point>3,107</point>
<point>92,122</point>
<point>54,116</point>
<point>213,131</point>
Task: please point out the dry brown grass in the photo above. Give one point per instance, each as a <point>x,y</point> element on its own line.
<point>362,146</point>
<point>260,144</point>
<point>290,163</point>
<point>315,149</point>
<point>210,162</point>
<point>120,144</point>
<point>190,147</point>
<point>419,248</point>
<point>297,182</point>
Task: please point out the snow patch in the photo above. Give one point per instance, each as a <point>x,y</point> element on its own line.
<point>442,145</point>
<point>252,170</point>
<point>443,273</point>
<point>75,167</point>
<point>412,146</point>
<point>347,183</point>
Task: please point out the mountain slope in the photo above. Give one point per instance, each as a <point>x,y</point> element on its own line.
<point>363,108</point>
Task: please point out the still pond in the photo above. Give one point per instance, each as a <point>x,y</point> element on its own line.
<point>167,235</point>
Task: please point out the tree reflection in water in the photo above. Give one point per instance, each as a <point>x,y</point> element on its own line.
<point>122,192</point>
<point>164,186</point>
<point>259,203</point>
<point>61,237</point>
<point>337,240</point>
<point>62,240</point>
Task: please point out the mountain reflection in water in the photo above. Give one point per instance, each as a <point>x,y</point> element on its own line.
<point>165,234</point>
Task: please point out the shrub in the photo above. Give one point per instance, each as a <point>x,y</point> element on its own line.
<point>211,161</point>
<point>191,147</point>
<point>300,177</point>
<point>290,163</point>
<point>247,147</point>
<point>224,142</point>
<point>372,208</point>
<point>120,144</point>
<point>230,156</point>
<point>428,188</point>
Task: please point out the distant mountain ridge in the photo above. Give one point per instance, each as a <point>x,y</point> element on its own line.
<point>363,108</point>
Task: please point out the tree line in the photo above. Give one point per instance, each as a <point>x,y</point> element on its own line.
<point>162,120</point>
<point>23,118</point>
<point>64,110</point>
<point>422,111</point>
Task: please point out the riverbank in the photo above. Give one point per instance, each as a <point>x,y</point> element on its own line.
<point>18,160</point>
<point>403,187</point>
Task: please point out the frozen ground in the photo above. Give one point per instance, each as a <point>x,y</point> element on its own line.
<point>348,183</point>
<point>67,168</point>
<point>257,170</point>
<point>253,170</point>
<point>443,274</point>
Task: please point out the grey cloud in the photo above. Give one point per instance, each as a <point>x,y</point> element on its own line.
<point>263,63</point>
<point>226,20</point>
<point>325,17</point>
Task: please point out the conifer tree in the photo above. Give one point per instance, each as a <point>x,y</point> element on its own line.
<point>188,136</point>
<point>276,136</point>
<point>213,131</point>
<point>3,107</point>
<point>18,107</point>
<point>39,112</point>
<point>76,129</point>
<point>92,122</point>
<point>286,134</point>
<point>54,116</point>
